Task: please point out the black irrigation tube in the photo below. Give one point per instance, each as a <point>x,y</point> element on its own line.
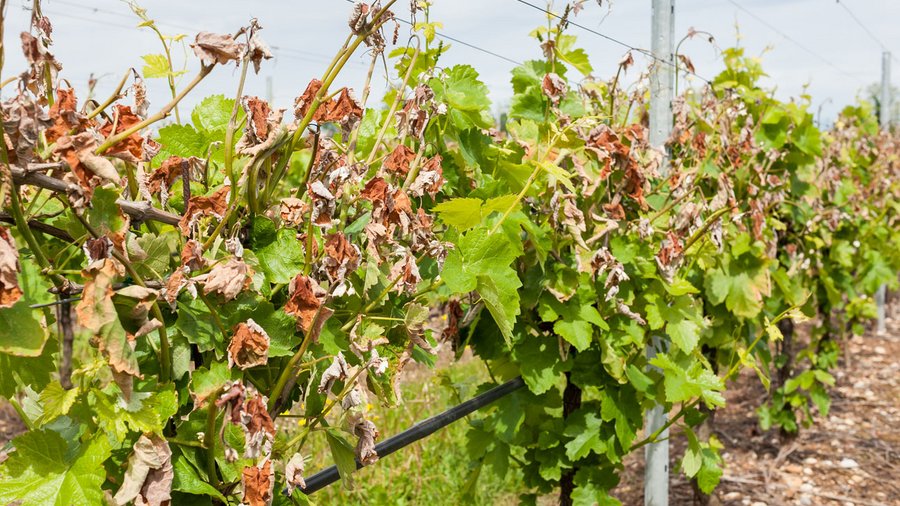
<point>419,431</point>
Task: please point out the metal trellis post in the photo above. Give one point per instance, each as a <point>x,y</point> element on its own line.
<point>884,118</point>
<point>662,82</point>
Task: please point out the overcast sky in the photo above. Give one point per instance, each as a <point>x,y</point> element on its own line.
<point>99,37</point>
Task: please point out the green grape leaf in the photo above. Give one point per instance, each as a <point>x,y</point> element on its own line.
<point>342,453</point>
<point>56,401</point>
<point>462,90</point>
<point>539,362</point>
<point>283,258</point>
<point>187,479</point>
<point>46,470</point>
<point>213,113</point>
<point>462,213</point>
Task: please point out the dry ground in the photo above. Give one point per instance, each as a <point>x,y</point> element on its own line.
<point>850,457</point>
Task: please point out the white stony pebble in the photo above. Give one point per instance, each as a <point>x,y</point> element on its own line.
<point>849,463</point>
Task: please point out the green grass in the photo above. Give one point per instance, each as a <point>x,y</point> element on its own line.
<point>432,471</point>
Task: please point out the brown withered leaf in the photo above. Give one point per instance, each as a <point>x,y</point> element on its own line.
<point>257,111</point>
<point>304,101</point>
<point>40,61</point>
<point>430,179</point>
<point>9,269</point>
<point>192,255</point>
<point>97,249</point>
<point>454,313</point>
<point>670,255</point>
<point>97,313</point>
<point>141,102</point>
<point>165,176</point>
<point>64,115</point>
<point>23,120</point>
<point>614,210</point>
<point>358,15</point>
<point>341,256</point>
<point>293,473</point>
<point>407,272</point>
<point>148,480</point>
<point>344,110</point>
<point>177,282</point>
<point>554,87</point>
<point>375,190</point>
<point>399,160</point>
<point>89,169</point>
<point>130,149</point>
<point>259,430</point>
<point>214,48</point>
<point>249,346</point>
<point>228,278</point>
<point>198,206</point>
<point>337,371</point>
<point>304,302</point>
<point>292,210</point>
<point>263,124</point>
<point>367,433</point>
<point>258,482</point>
<point>323,202</point>
<point>258,50</point>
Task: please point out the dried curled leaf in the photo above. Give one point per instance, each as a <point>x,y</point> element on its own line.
<point>130,149</point>
<point>165,176</point>
<point>259,483</point>
<point>337,371</point>
<point>97,313</point>
<point>367,433</point>
<point>341,256</point>
<point>292,210</point>
<point>148,480</point>
<point>305,302</point>
<point>89,169</point>
<point>228,278</point>
<point>213,48</point>
<point>41,62</point>
<point>304,101</point>
<point>263,126</point>
<point>9,269</point>
<point>192,255</point>
<point>257,51</point>
<point>406,272</point>
<point>293,473</point>
<point>64,115</point>
<point>23,120</point>
<point>554,87</point>
<point>249,346</point>
<point>399,160</point>
<point>198,206</point>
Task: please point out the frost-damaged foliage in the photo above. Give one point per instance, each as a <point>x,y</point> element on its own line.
<point>165,297</point>
<point>188,286</point>
<point>572,253</point>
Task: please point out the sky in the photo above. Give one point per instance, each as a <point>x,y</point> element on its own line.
<point>827,54</point>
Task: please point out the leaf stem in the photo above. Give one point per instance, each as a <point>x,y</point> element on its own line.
<point>161,114</point>
<point>209,440</point>
<point>112,98</point>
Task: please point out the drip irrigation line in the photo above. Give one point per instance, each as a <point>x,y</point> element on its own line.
<point>418,431</point>
<point>614,40</point>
